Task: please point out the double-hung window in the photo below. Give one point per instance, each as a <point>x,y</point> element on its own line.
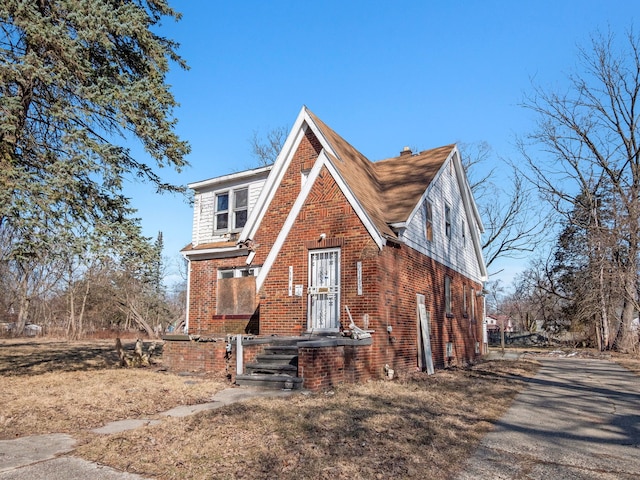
<point>240,208</point>
<point>222,211</point>
<point>232,209</point>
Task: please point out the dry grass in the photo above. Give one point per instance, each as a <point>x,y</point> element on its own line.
<point>68,387</point>
<point>630,362</point>
<point>415,427</point>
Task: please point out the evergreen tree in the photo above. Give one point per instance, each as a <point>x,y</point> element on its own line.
<point>76,76</point>
<point>78,80</point>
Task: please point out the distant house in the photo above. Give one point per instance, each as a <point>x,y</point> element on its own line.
<point>345,268</point>
<point>496,322</point>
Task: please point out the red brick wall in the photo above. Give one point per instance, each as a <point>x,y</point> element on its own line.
<point>403,273</point>
<point>391,279</point>
<point>196,357</point>
<point>325,211</point>
<point>203,318</point>
<point>206,357</point>
<point>325,367</point>
<point>284,198</point>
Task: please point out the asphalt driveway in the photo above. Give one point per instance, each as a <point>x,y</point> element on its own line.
<point>578,419</point>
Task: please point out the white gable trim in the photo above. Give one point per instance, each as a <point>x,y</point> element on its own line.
<point>278,171</point>
<point>288,223</point>
<point>323,160</point>
<point>368,224</point>
<point>470,208</point>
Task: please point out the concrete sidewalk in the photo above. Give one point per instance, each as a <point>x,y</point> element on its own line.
<point>48,457</point>
<point>578,419</point>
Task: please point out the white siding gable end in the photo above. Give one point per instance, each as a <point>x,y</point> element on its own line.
<point>462,250</point>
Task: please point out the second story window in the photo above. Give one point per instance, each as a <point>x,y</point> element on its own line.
<point>240,207</point>
<point>429,221</point>
<point>222,211</point>
<point>447,221</point>
<point>464,233</point>
<point>231,210</point>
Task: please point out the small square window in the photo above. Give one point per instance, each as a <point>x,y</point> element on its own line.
<point>225,273</point>
<point>449,352</point>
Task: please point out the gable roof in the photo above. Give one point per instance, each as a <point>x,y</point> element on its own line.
<point>404,180</point>
<point>387,191</point>
<point>382,193</point>
<point>359,174</point>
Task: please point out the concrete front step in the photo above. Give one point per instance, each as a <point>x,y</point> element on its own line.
<point>270,381</point>
<point>272,368</point>
<point>281,350</point>
<point>278,358</point>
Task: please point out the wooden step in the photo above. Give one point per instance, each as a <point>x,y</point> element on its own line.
<point>275,382</point>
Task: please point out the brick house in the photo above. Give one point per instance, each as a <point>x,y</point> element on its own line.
<point>345,268</point>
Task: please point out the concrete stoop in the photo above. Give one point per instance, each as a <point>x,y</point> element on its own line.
<point>276,368</point>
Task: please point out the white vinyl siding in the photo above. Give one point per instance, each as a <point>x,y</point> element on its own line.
<point>456,252</point>
<point>204,211</point>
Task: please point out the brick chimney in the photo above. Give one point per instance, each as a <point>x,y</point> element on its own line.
<point>405,151</point>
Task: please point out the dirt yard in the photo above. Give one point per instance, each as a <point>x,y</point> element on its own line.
<point>416,426</point>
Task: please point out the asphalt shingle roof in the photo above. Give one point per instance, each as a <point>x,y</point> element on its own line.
<point>388,190</point>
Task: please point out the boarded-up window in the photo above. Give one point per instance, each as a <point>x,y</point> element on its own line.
<point>236,296</point>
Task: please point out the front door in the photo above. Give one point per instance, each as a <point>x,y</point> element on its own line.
<point>324,290</point>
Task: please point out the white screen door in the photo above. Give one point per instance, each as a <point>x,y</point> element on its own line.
<point>324,290</point>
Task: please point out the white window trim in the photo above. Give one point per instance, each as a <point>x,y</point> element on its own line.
<point>237,272</point>
<point>231,210</point>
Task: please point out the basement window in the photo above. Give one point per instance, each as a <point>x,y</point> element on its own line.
<point>449,350</point>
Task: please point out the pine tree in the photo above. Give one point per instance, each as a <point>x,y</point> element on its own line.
<point>79,79</point>
<point>76,76</point>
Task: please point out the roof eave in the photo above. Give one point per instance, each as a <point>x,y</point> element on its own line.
<point>211,253</point>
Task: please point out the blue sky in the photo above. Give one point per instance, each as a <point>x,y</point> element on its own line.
<point>382,74</point>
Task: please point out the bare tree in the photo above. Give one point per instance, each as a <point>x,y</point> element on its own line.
<point>512,222</point>
<point>266,150</point>
<point>589,147</point>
